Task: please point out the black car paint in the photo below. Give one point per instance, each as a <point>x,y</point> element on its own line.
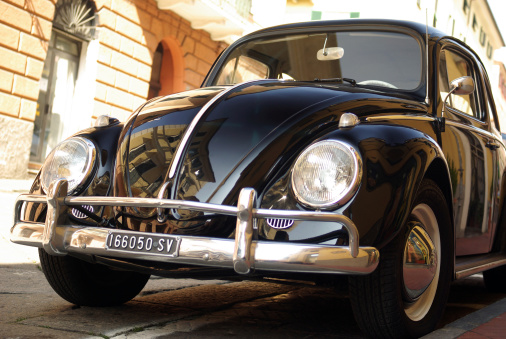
<point>265,162</point>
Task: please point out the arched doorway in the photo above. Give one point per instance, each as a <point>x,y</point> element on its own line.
<point>167,70</point>
<point>73,24</point>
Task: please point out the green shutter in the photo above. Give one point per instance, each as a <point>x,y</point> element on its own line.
<point>354,15</point>
<point>465,6</point>
<point>316,15</point>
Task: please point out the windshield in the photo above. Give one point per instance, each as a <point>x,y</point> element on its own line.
<point>370,58</point>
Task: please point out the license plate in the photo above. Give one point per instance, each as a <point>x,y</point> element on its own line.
<point>143,243</point>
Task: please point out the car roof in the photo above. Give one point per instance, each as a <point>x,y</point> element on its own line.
<point>319,24</point>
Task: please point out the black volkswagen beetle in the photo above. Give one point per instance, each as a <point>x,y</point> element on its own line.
<point>366,148</point>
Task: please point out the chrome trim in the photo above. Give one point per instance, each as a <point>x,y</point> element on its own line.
<point>351,189</point>
<point>214,252</point>
<point>244,253</point>
<point>53,237</point>
<point>279,223</point>
<point>189,130</point>
<point>472,128</point>
<point>161,216</point>
<point>80,215</point>
<point>245,231</point>
<point>399,117</point>
<point>420,261</point>
<point>493,262</point>
<point>465,115</point>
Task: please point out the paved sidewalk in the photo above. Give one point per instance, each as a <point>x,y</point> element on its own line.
<point>489,322</point>
<point>15,186</point>
<point>11,253</point>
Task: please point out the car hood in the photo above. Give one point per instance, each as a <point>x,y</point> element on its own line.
<point>243,138</point>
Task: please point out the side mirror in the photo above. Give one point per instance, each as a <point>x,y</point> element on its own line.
<point>460,86</point>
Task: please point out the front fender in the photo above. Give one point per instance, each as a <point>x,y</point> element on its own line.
<point>395,159</point>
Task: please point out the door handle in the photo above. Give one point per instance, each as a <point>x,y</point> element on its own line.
<point>492,145</point>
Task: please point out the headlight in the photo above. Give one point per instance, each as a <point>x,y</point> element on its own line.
<point>326,174</point>
<point>71,160</point>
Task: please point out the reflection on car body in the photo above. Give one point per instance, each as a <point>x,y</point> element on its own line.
<point>365,148</point>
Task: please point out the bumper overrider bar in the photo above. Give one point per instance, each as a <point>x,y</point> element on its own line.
<point>244,254</point>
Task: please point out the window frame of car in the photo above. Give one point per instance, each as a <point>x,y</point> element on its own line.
<point>268,62</point>
<point>489,102</point>
<point>469,56</point>
<point>419,92</point>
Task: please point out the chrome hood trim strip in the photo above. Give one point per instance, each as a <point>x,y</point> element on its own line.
<point>171,181</point>
<point>183,145</point>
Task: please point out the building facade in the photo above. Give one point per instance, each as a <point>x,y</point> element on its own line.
<point>66,62</point>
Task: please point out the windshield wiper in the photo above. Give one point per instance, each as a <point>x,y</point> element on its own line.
<point>351,81</point>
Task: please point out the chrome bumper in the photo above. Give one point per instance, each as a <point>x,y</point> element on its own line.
<point>244,254</point>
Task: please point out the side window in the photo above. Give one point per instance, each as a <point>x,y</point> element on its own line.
<point>452,66</point>
<point>242,69</point>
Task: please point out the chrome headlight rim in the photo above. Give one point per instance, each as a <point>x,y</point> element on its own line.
<point>86,174</point>
<point>348,193</point>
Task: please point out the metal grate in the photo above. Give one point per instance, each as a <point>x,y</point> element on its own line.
<point>80,215</point>
<point>279,223</point>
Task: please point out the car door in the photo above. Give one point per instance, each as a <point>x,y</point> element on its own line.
<point>470,150</point>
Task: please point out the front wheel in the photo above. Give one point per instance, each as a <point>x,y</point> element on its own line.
<point>406,295</point>
<point>86,284</point>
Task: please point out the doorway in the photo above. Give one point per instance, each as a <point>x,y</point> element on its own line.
<point>56,93</point>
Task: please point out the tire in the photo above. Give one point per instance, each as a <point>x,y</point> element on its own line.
<point>495,279</point>
<point>386,303</point>
<point>86,284</point>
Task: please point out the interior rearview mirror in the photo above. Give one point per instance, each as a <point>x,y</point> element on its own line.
<point>330,53</point>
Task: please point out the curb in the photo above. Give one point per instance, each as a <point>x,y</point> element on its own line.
<point>469,322</point>
<point>15,185</point>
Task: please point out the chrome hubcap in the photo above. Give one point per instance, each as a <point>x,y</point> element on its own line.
<point>421,263</point>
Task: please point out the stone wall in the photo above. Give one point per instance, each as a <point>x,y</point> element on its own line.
<point>25,29</point>
<point>130,31</point>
